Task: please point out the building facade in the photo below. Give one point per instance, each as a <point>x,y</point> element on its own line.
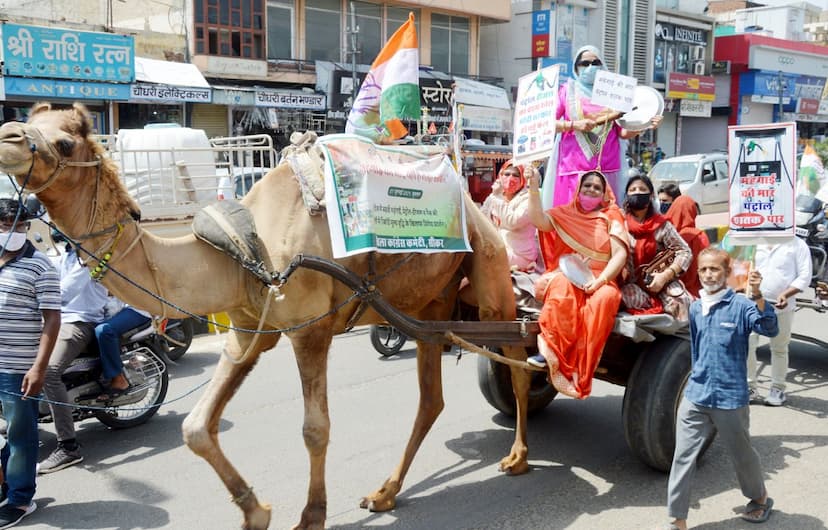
<point>258,59</point>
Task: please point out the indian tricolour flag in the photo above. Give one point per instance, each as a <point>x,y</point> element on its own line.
<point>391,90</point>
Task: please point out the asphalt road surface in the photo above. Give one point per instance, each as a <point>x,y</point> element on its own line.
<point>583,476</point>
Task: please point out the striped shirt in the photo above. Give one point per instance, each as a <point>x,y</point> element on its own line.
<point>29,283</point>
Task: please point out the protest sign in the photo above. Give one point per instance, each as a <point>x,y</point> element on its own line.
<point>536,109</point>
<point>391,199</point>
<point>762,165</point>
<point>614,91</point>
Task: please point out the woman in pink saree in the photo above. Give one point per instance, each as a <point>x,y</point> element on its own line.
<point>588,136</point>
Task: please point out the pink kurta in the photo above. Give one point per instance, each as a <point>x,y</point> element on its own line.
<point>575,152</point>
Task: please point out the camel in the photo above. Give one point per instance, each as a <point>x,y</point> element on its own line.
<point>52,156</point>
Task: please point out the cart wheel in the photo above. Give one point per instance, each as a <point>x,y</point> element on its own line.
<point>387,340</point>
<point>654,391</point>
<point>495,382</point>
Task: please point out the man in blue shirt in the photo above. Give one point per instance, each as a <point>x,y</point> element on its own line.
<point>81,308</point>
<point>716,396</point>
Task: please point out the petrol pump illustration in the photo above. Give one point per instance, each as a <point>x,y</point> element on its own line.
<point>762,183</point>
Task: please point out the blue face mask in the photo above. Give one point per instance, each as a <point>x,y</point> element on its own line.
<point>587,75</point>
<point>664,206</point>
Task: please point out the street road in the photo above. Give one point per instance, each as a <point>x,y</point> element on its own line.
<point>583,476</point>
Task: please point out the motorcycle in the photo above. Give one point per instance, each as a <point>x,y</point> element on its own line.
<point>387,340</point>
<point>142,356</point>
<point>812,227</point>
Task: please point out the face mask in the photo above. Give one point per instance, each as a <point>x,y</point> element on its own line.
<point>588,202</point>
<point>664,206</point>
<point>638,201</point>
<point>713,288</point>
<point>511,184</point>
<point>587,75</point>
<point>14,242</point>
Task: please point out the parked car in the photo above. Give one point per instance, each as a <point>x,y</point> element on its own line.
<point>703,177</point>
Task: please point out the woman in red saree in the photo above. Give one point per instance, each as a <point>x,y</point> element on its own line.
<point>682,214</point>
<point>576,321</point>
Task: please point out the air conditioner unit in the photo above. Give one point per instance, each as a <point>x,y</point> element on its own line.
<point>698,68</point>
<point>698,53</point>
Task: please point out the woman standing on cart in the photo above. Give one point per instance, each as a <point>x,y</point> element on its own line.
<point>576,321</point>
<point>589,137</point>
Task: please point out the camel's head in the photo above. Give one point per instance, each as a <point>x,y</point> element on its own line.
<point>35,151</point>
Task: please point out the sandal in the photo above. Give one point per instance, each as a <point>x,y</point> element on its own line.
<point>754,506</point>
<point>111,394</point>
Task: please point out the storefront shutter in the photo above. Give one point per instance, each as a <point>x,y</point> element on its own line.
<point>211,118</point>
<point>643,28</point>
<point>610,45</point>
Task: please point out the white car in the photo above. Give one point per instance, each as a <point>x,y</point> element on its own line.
<point>704,177</point>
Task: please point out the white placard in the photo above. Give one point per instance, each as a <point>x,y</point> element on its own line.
<point>614,91</point>
<point>762,165</point>
<point>536,110</point>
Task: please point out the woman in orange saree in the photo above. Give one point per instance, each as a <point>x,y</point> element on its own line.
<point>576,320</point>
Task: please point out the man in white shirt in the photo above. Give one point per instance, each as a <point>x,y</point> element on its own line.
<point>786,272</point>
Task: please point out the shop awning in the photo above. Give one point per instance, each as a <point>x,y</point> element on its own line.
<point>169,73</point>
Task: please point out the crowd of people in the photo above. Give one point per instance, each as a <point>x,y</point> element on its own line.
<point>645,255</point>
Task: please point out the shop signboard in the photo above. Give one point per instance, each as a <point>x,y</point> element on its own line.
<point>236,97</point>
<point>807,106</point>
<point>788,61</point>
<point>290,100</point>
<point>762,165</point>
<point>34,51</point>
<point>692,108</point>
<point>540,33</point>
<point>685,86</point>
<point>170,94</point>
<point>471,92</point>
<point>486,119</point>
<point>58,88</point>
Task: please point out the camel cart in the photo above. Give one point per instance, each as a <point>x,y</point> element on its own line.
<point>648,354</point>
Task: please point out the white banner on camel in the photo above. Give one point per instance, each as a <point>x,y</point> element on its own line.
<point>391,199</point>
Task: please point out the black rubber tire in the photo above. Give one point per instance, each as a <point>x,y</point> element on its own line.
<point>495,382</point>
<point>114,422</point>
<point>182,333</point>
<point>654,391</point>
<point>387,340</point>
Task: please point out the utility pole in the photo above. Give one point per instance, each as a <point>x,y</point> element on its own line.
<point>353,32</point>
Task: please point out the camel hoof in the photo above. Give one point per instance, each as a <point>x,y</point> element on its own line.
<point>382,500</point>
<point>258,518</point>
<point>514,465</point>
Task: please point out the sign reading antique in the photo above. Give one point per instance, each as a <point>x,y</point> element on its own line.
<point>392,200</point>
<point>289,100</point>
<point>762,162</point>
<point>58,88</point>
<point>536,107</point>
<point>685,86</point>
<point>153,92</point>
<point>33,51</point>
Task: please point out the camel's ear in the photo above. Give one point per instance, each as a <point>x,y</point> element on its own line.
<point>82,115</point>
<point>40,107</point>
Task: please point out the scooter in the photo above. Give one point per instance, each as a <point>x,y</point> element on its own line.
<point>144,368</point>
